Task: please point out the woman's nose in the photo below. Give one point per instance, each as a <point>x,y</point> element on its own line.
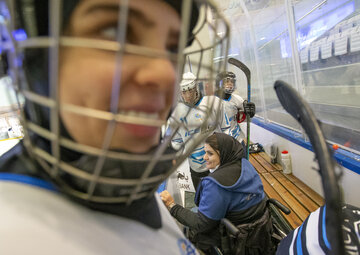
<point>157,72</point>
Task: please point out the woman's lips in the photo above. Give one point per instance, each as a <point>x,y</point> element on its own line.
<point>140,130</point>
<point>140,123</point>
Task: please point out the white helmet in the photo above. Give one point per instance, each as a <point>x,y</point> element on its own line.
<point>188,81</point>
<point>190,92</point>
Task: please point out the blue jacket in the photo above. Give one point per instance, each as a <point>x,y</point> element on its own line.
<point>215,200</point>
<point>234,191</point>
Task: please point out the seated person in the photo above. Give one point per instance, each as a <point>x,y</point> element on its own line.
<point>233,190</point>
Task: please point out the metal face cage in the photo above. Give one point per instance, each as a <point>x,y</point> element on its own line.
<point>223,85</point>
<point>110,171</point>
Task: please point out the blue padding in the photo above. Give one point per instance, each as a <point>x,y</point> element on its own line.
<point>345,158</point>
<point>27,180</point>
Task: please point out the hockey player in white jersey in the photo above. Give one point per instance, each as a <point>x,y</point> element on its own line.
<point>196,120</point>
<point>98,79</point>
<point>235,107</point>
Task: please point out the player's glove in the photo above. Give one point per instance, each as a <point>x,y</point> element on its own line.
<point>249,108</point>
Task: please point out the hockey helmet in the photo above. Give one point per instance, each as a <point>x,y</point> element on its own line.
<point>188,81</point>
<point>226,81</point>
<point>189,89</point>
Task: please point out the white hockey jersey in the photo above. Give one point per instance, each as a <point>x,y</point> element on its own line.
<point>192,120</point>
<point>231,107</point>
<point>38,221</point>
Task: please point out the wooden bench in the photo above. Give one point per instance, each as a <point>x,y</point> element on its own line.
<point>286,188</point>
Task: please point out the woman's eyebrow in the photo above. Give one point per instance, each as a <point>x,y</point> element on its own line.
<point>139,15</point>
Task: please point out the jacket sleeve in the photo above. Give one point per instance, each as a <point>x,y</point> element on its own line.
<point>214,201</point>
<point>197,221</point>
<point>239,102</point>
<point>177,141</point>
<point>172,123</point>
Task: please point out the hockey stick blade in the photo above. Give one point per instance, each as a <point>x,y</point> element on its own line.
<point>298,108</point>
<point>241,66</point>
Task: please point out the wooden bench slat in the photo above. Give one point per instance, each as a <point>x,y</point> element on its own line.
<point>264,163</point>
<point>293,220</point>
<point>288,189</point>
<point>268,159</point>
<point>306,189</point>
<point>257,165</point>
<point>300,196</point>
<point>295,206</point>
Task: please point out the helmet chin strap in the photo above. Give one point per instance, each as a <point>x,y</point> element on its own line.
<point>119,169</point>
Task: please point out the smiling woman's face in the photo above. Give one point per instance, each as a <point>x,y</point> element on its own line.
<point>211,157</point>
<point>146,83</point>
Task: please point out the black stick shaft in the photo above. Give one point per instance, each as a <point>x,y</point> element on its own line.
<point>247,73</point>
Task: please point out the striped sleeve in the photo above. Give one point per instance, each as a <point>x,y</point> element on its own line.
<point>311,237</point>
<point>308,238</point>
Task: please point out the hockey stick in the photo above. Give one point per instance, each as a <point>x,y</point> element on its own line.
<point>247,73</point>
<point>297,107</point>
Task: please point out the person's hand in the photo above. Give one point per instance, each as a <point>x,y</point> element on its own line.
<point>167,199</point>
<point>249,108</point>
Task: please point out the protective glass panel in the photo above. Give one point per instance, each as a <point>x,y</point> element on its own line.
<point>312,45</point>
<point>328,40</point>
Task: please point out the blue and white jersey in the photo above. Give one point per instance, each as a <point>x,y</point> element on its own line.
<point>35,219</point>
<point>312,236</point>
<point>231,108</point>
<point>191,121</point>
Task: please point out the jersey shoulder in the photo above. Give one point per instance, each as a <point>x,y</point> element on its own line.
<point>209,101</point>
<point>179,111</point>
<point>236,99</point>
<point>74,229</point>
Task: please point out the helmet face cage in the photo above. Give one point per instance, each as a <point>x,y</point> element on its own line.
<point>96,130</point>
<point>189,88</point>
<point>227,82</point>
<point>190,96</point>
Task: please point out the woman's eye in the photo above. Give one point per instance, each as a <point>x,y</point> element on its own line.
<point>173,48</point>
<point>109,33</point>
